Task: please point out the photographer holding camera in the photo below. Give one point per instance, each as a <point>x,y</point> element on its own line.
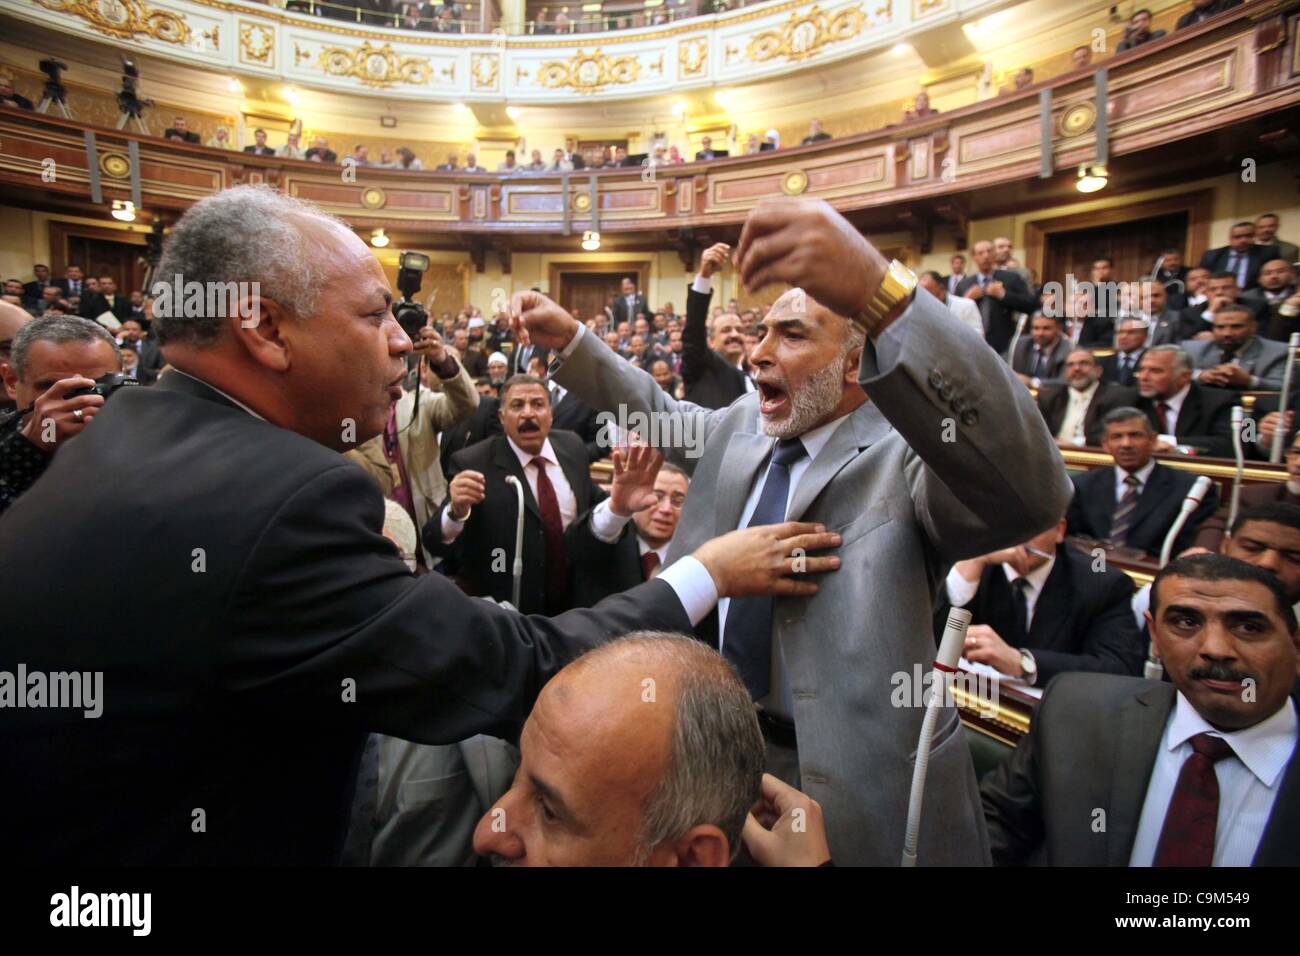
<point>61,370</point>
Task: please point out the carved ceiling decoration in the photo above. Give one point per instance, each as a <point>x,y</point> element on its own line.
<point>692,57</point>
<point>125,19</point>
<point>484,70</point>
<point>807,34</point>
<point>589,72</point>
<point>375,66</point>
<point>256,43</point>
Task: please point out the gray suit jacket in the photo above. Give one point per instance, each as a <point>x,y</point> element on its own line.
<point>1092,747</point>
<point>907,503</point>
<point>1023,359</point>
<point>1261,357</point>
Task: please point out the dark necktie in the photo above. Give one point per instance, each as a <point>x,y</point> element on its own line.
<point>1122,519</point>
<point>747,636</point>
<point>1187,838</point>
<point>1019,587</point>
<point>1125,369</point>
<point>649,565</point>
<point>1038,363</point>
<point>557,571</point>
<point>1162,410</point>
<point>1235,263</point>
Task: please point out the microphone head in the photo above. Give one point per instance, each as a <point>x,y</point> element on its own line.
<point>1238,413</point>
<point>512,480</point>
<point>954,638</point>
<point>1197,493</point>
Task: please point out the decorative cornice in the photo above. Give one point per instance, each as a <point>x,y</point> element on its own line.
<point>126,19</point>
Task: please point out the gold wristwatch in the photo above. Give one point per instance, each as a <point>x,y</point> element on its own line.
<point>898,284</point>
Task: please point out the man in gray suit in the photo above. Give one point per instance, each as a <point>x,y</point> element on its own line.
<point>919,448</point>
<point>1120,771</point>
<point>1237,357</point>
<point>1041,357</point>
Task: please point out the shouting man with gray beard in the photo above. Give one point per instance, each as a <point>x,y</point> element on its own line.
<point>880,416</point>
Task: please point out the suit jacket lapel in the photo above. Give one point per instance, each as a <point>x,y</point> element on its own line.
<point>1190,413</point>
<point>745,454</point>
<point>865,426</point>
<point>1278,845</point>
<point>1052,610</point>
<point>503,456</point>
<point>1153,493</point>
<point>1140,724</point>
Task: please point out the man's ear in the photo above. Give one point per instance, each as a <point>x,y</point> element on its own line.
<point>11,381</point>
<point>258,325</point>
<point>703,845</point>
<point>851,363</point>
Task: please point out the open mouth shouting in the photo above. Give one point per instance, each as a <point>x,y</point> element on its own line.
<point>773,402</point>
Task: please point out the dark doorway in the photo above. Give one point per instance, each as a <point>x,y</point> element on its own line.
<point>99,252</point>
<point>590,291</point>
<point>1134,245</point>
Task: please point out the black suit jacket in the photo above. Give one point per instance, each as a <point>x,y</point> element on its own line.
<point>711,381</point>
<point>1098,332</point>
<point>1192,17</point>
<point>999,314</point>
<point>1204,421</point>
<point>66,286</point>
<point>706,154</point>
<point>574,415</point>
<point>1082,620</point>
<point>619,308</point>
<point>282,628</point>
<point>491,525</point>
<point>1111,371</point>
<point>1054,400</point>
<point>1216,260</point>
<point>523,354</point>
<point>1093,506</point>
<point>1023,360</point>
<point>260,150</point>
<point>599,569</point>
<point>96,304</point>
<point>1093,745</point>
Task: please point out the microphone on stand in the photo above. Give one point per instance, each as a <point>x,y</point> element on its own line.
<point>1279,433</point>
<point>1237,417</point>
<point>1020,327</point>
<point>945,664</point>
<point>1153,669</point>
<point>518,570</point>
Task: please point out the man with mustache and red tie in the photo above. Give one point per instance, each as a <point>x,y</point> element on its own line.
<point>1200,771</point>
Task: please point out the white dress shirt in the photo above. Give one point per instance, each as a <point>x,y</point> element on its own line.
<point>1076,411</point>
<point>961,592</point>
<point>1142,475</point>
<point>1248,781</point>
<point>1175,403</point>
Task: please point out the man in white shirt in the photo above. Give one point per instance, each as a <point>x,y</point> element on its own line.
<point>964,309</point>
<point>1195,772</point>
<point>1074,411</point>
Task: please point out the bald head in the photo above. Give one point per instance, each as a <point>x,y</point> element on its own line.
<point>12,318</point>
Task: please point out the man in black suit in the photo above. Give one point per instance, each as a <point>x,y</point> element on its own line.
<point>1165,326</point>
<point>629,302</point>
<point>1040,609</point>
<point>320,152</point>
<point>483,422</point>
<point>1202,10</point>
<point>571,414</point>
<point>1074,411</point>
<point>707,152</point>
<point>712,363</point>
<point>282,625</point>
<point>1172,274</point>
<point>1134,504</point>
<point>645,503</point>
<point>34,291</point>
<point>1183,412</point>
<point>259,148</point>
<point>476,525</point>
<point>151,357</point>
<point>1276,296</point>
<point>72,283</point>
<point>1130,341</point>
<point>1199,771</point>
<point>1041,357</point>
<point>1240,257</point>
<point>105,299</point>
<point>1138,32</point>
<point>954,278</point>
<point>179,131</point>
<point>1221,291</point>
<point>999,295</point>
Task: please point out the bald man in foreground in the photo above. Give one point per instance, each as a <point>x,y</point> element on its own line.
<point>880,416</point>
<point>669,780</point>
<point>12,319</point>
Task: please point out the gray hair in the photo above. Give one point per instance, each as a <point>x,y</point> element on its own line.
<point>57,329</point>
<point>1182,361</point>
<point>1126,413</point>
<point>244,234</point>
<point>715,760</point>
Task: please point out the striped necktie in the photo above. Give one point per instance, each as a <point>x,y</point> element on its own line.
<point>1122,519</point>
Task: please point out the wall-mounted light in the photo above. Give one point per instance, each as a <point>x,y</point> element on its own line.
<point>291,94</point>
<point>1091,178</point>
<point>513,112</point>
<point>378,239</point>
<point>591,240</point>
<point>123,210</point>
<point>235,86</point>
<point>898,48</point>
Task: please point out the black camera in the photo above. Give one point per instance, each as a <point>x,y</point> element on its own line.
<point>105,385</point>
<point>410,315</point>
<point>52,68</point>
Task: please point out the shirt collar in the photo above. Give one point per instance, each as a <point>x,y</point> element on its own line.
<point>1036,578</point>
<point>547,453</point>
<point>643,548</point>
<point>1142,473</point>
<point>814,441</point>
<point>224,395</point>
<point>1264,748</point>
<point>1175,401</point>
<point>1086,394</point>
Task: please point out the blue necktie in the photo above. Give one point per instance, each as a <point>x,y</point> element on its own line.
<point>747,634</point>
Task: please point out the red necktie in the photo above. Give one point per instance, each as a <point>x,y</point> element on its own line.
<point>1187,838</point>
<point>649,565</point>
<point>1163,411</point>
<point>557,573</point>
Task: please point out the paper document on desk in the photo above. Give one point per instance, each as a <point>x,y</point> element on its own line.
<point>986,670</point>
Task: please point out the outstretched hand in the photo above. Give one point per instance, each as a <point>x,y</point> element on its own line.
<point>635,469</point>
<point>536,320</point>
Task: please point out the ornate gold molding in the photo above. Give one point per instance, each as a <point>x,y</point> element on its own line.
<point>375,66</point>
<point>125,19</point>
<point>257,43</point>
<point>692,57</point>
<point>589,72</point>
<point>484,70</point>
<point>807,34</point>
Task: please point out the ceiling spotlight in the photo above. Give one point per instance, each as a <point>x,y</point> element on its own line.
<point>378,239</point>
<point>124,210</point>
<point>1091,178</point>
<point>512,112</point>
<point>591,240</point>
